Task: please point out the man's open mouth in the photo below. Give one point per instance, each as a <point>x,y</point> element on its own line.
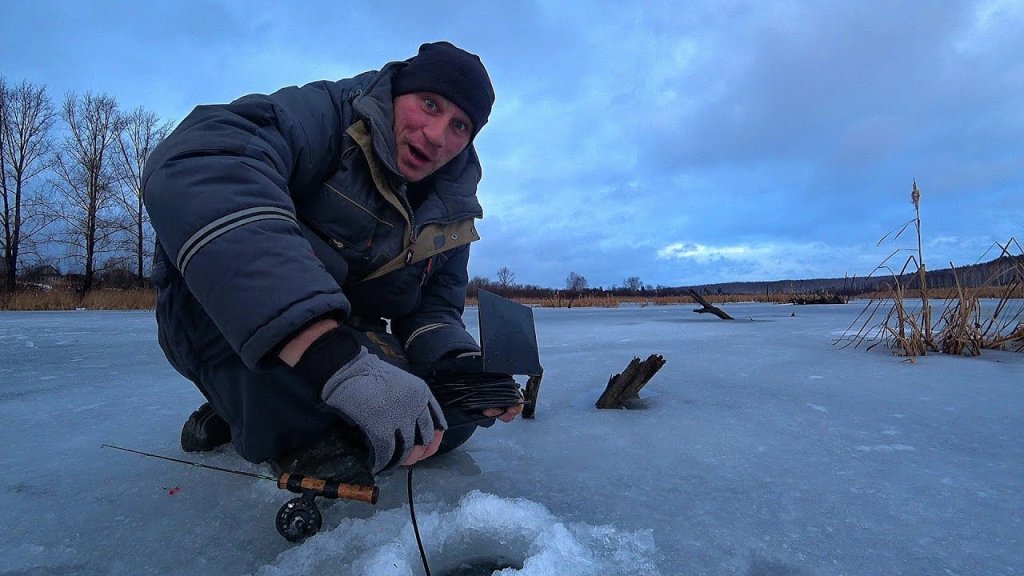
<point>418,154</point>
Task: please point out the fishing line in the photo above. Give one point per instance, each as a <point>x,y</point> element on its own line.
<point>191,463</point>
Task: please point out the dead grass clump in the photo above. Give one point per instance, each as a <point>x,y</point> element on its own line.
<point>40,300</point>
<point>120,300</point>
<point>584,302</point>
<point>965,327</point>
<point>961,323</point>
<point>773,298</point>
<point>66,299</point>
<point>995,292</point>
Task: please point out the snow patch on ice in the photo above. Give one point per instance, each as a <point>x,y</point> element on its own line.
<point>861,335</point>
<point>519,532</point>
<point>30,558</point>
<point>886,448</point>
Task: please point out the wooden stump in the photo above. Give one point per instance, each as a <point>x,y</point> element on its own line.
<point>708,307</point>
<point>532,390</point>
<point>623,389</point>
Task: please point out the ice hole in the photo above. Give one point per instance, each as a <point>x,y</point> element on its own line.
<point>484,534</point>
<point>483,566</point>
<point>477,554</point>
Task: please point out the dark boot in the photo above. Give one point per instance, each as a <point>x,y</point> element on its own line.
<point>204,430</point>
<point>340,456</point>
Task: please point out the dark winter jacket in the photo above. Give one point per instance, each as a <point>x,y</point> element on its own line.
<point>278,209</point>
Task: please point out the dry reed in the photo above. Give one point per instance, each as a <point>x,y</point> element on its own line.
<point>963,328</point>
<point>59,299</point>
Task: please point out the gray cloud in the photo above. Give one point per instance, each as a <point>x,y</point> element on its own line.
<point>791,129</point>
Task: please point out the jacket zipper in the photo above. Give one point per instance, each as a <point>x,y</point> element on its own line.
<point>412,223</point>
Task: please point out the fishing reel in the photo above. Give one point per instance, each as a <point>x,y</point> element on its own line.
<point>299,518</point>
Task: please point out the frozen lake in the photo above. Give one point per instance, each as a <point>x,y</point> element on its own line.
<point>764,450</point>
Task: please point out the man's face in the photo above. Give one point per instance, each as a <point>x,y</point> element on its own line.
<point>430,130</point>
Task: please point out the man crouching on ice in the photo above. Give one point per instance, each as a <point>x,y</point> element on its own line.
<point>290,228</point>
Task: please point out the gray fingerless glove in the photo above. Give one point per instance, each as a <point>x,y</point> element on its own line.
<point>395,409</point>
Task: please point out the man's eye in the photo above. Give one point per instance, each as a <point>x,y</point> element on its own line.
<point>460,125</point>
<point>429,104</point>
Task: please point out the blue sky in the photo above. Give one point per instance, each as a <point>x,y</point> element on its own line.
<point>681,142</point>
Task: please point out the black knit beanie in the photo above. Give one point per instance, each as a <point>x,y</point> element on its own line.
<point>450,71</point>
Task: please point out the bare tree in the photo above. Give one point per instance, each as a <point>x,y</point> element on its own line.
<point>87,206</point>
<point>506,278</point>
<point>26,118</point>
<point>575,283</point>
<point>475,284</point>
<point>633,284</point>
<point>141,131</point>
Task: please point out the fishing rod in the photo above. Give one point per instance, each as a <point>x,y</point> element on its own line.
<point>300,517</point>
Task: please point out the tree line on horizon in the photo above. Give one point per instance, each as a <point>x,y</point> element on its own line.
<point>72,186</point>
<point>72,201</point>
<point>73,212</point>
<point>999,271</point>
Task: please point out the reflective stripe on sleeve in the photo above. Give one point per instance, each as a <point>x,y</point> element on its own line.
<point>421,330</point>
<point>207,233</point>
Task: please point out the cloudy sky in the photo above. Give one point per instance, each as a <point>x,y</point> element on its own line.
<point>681,142</point>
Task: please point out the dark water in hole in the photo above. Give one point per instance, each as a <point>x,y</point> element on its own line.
<point>483,566</point>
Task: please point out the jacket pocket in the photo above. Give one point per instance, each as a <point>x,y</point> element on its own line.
<point>345,220</point>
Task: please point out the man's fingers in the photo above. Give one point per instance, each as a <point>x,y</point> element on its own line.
<point>415,455</point>
<point>434,444</point>
<point>423,452</point>
<point>504,414</point>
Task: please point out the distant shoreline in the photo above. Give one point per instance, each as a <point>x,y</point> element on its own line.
<point>145,299</point>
